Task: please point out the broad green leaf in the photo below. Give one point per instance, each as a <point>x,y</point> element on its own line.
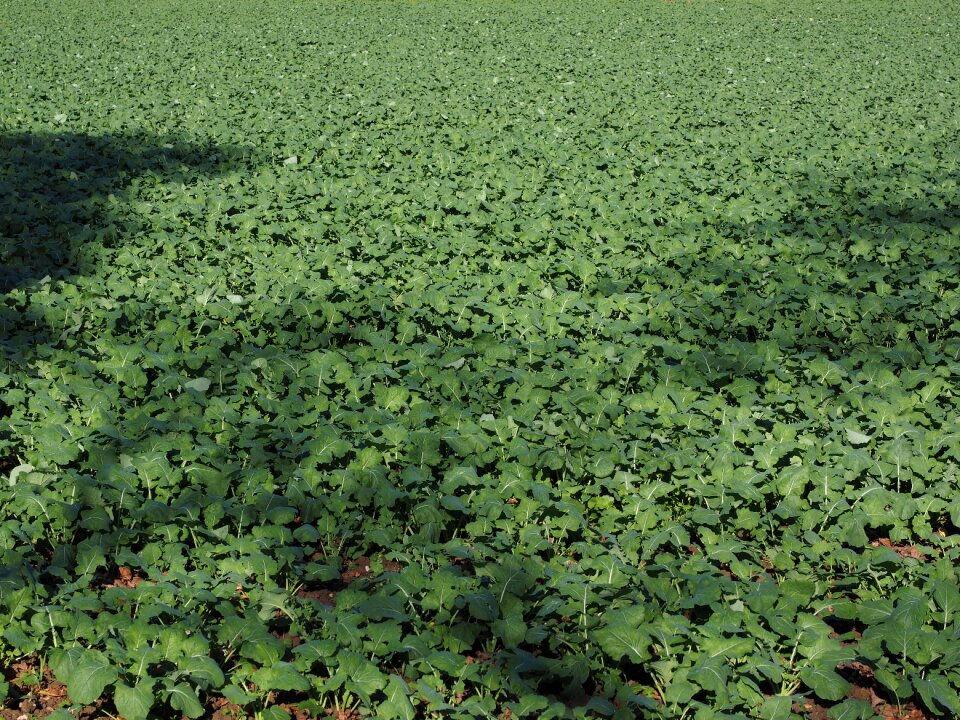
<point>397,703</point>
<point>620,640</point>
<point>237,695</point>
<point>357,674</point>
<point>851,709</point>
<point>726,647</point>
<point>712,674</point>
<point>200,385</point>
<point>60,714</point>
<point>947,597</point>
<point>134,703</point>
<point>280,676</point>
<point>776,707</point>
<point>274,712</point>
<point>183,698</point>
<point>511,629</point>
<point>202,670</point>
<point>86,673</point>
<point>825,682</point>
<point>857,438</point>
<point>938,694</point>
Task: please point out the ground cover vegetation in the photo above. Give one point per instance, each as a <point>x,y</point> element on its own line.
<point>493,359</point>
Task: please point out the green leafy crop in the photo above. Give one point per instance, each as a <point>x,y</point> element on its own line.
<point>501,359</point>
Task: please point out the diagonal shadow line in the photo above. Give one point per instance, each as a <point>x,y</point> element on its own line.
<point>63,193</point>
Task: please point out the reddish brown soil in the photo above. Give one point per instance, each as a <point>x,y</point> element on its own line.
<point>353,570</point>
<point>904,550</point>
<point>863,686</point>
<point>324,597</point>
<point>297,713</point>
<point>125,578</point>
<point>811,710</point>
<point>35,693</point>
<point>223,709</point>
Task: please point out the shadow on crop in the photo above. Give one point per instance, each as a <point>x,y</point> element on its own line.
<point>238,442</point>
<point>65,198</point>
<point>160,480</point>
<point>67,204</point>
<point>840,275</point>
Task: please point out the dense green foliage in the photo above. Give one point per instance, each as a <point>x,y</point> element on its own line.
<point>621,338</point>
